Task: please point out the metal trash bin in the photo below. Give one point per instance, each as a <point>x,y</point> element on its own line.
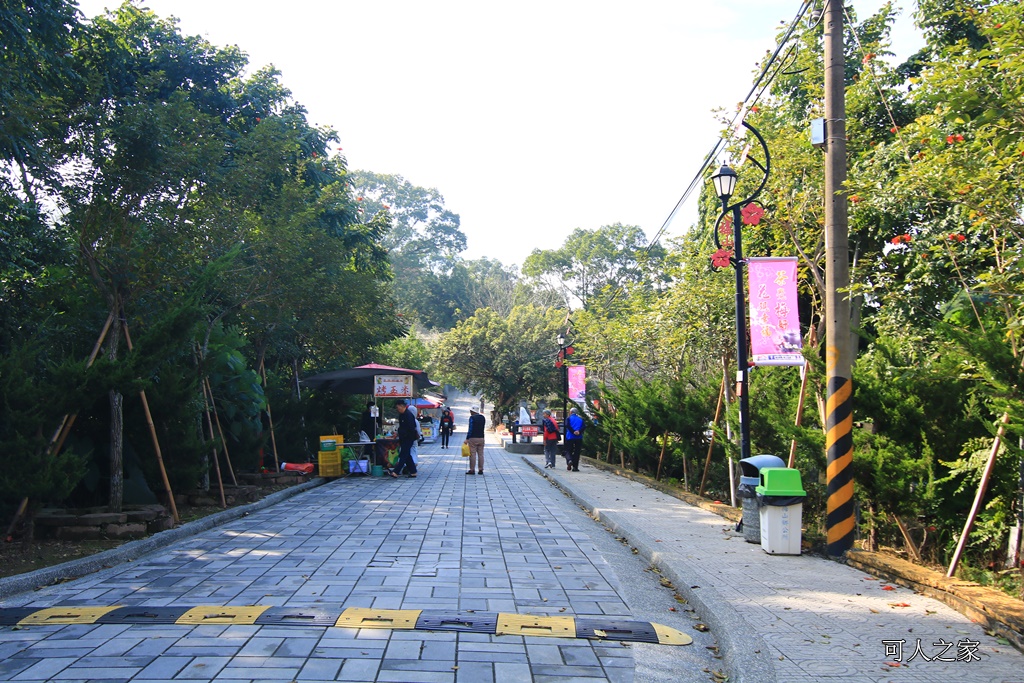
<point>780,499</point>
<point>750,471</point>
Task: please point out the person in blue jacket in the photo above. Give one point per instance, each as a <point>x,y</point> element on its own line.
<point>574,427</point>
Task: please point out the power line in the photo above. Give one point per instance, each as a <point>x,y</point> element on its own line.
<point>736,121</point>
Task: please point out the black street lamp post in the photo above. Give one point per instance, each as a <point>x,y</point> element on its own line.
<point>725,184</point>
<point>565,375</point>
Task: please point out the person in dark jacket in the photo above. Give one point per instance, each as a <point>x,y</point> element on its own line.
<point>447,426</point>
<point>475,441</point>
<point>408,433</point>
<point>573,440</point>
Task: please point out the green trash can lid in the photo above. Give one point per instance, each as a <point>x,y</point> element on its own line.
<point>780,481</point>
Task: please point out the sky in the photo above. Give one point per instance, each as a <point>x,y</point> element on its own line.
<point>531,118</point>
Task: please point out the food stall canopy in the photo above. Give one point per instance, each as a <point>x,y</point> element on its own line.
<point>425,403</point>
<point>360,380</point>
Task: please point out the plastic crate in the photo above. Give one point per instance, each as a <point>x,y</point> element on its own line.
<point>329,459</point>
<point>331,470</point>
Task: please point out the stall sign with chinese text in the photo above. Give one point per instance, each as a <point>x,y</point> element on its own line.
<point>774,320</point>
<point>392,386</point>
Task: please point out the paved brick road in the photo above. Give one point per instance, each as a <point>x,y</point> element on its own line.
<point>505,542</point>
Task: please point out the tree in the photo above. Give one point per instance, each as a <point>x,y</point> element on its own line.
<point>594,267</point>
<point>423,244</point>
<point>505,359</point>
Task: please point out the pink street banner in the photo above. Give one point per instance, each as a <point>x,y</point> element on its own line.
<point>577,383</point>
<point>774,320</point>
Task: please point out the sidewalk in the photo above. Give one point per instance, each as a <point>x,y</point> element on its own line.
<point>794,619</point>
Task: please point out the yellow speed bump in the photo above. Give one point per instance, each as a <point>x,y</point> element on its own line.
<point>66,615</point>
<point>228,614</point>
<point>670,636</point>
<point>530,625</point>
<point>364,617</point>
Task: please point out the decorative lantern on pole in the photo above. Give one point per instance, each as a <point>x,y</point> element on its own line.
<point>729,233</point>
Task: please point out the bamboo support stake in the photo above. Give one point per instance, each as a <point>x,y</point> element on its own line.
<point>799,412</point>
<point>912,549</point>
<point>664,443</point>
<point>61,433</point>
<point>223,441</point>
<point>982,486</point>
<point>711,445</point>
<point>156,441</point>
<point>213,441</point>
<point>270,417</point>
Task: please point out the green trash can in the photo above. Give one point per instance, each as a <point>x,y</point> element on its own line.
<point>780,498</point>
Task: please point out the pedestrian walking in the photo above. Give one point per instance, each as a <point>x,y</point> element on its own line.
<point>574,427</point>
<point>550,427</point>
<point>475,441</point>
<point>447,426</point>
<point>408,434</point>
<point>414,449</point>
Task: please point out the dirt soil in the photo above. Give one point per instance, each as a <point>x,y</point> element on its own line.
<point>19,557</point>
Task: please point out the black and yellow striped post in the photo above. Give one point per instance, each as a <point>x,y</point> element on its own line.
<point>840,524</point>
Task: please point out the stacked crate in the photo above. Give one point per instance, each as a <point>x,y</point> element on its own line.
<point>329,458</point>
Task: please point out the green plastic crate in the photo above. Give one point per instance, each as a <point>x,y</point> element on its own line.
<point>780,481</point>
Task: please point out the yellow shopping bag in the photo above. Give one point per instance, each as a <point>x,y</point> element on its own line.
<point>465,449</point>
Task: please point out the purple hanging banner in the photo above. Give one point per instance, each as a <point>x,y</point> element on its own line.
<point>577,383</point>
<point>774,318</point>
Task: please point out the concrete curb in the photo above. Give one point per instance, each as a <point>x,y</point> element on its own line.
<point>46,576</point>
<point>744,652</point>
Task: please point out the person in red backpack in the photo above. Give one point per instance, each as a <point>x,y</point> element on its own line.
<point>550,427</point>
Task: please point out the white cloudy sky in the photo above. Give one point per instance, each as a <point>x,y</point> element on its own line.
<point>531,118</point>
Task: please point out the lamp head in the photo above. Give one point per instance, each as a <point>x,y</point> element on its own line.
<point>561,340</point>
<point>725,182</point>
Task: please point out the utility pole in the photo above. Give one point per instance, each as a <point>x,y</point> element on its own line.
<point>840,522</point>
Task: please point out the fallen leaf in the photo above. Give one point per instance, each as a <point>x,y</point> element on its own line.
<point>888,588</point>
<point>893,664</point>
<point>600,634</point>
<point>700,627</point>
<point>873,610</point>
<point>671,609</point>
<point>899,604</point>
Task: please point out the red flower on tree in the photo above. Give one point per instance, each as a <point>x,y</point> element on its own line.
<point>752,214</point>
<point>957,237</point>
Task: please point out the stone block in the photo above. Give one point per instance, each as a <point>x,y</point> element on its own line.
<point>143,515</point>
<point>160,524</point>
<point>124,530</point>
<point>98,518</point>
<point>56,520</point>
<point>78,533</point>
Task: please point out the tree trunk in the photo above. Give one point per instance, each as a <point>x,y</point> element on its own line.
<point>116,497</point>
